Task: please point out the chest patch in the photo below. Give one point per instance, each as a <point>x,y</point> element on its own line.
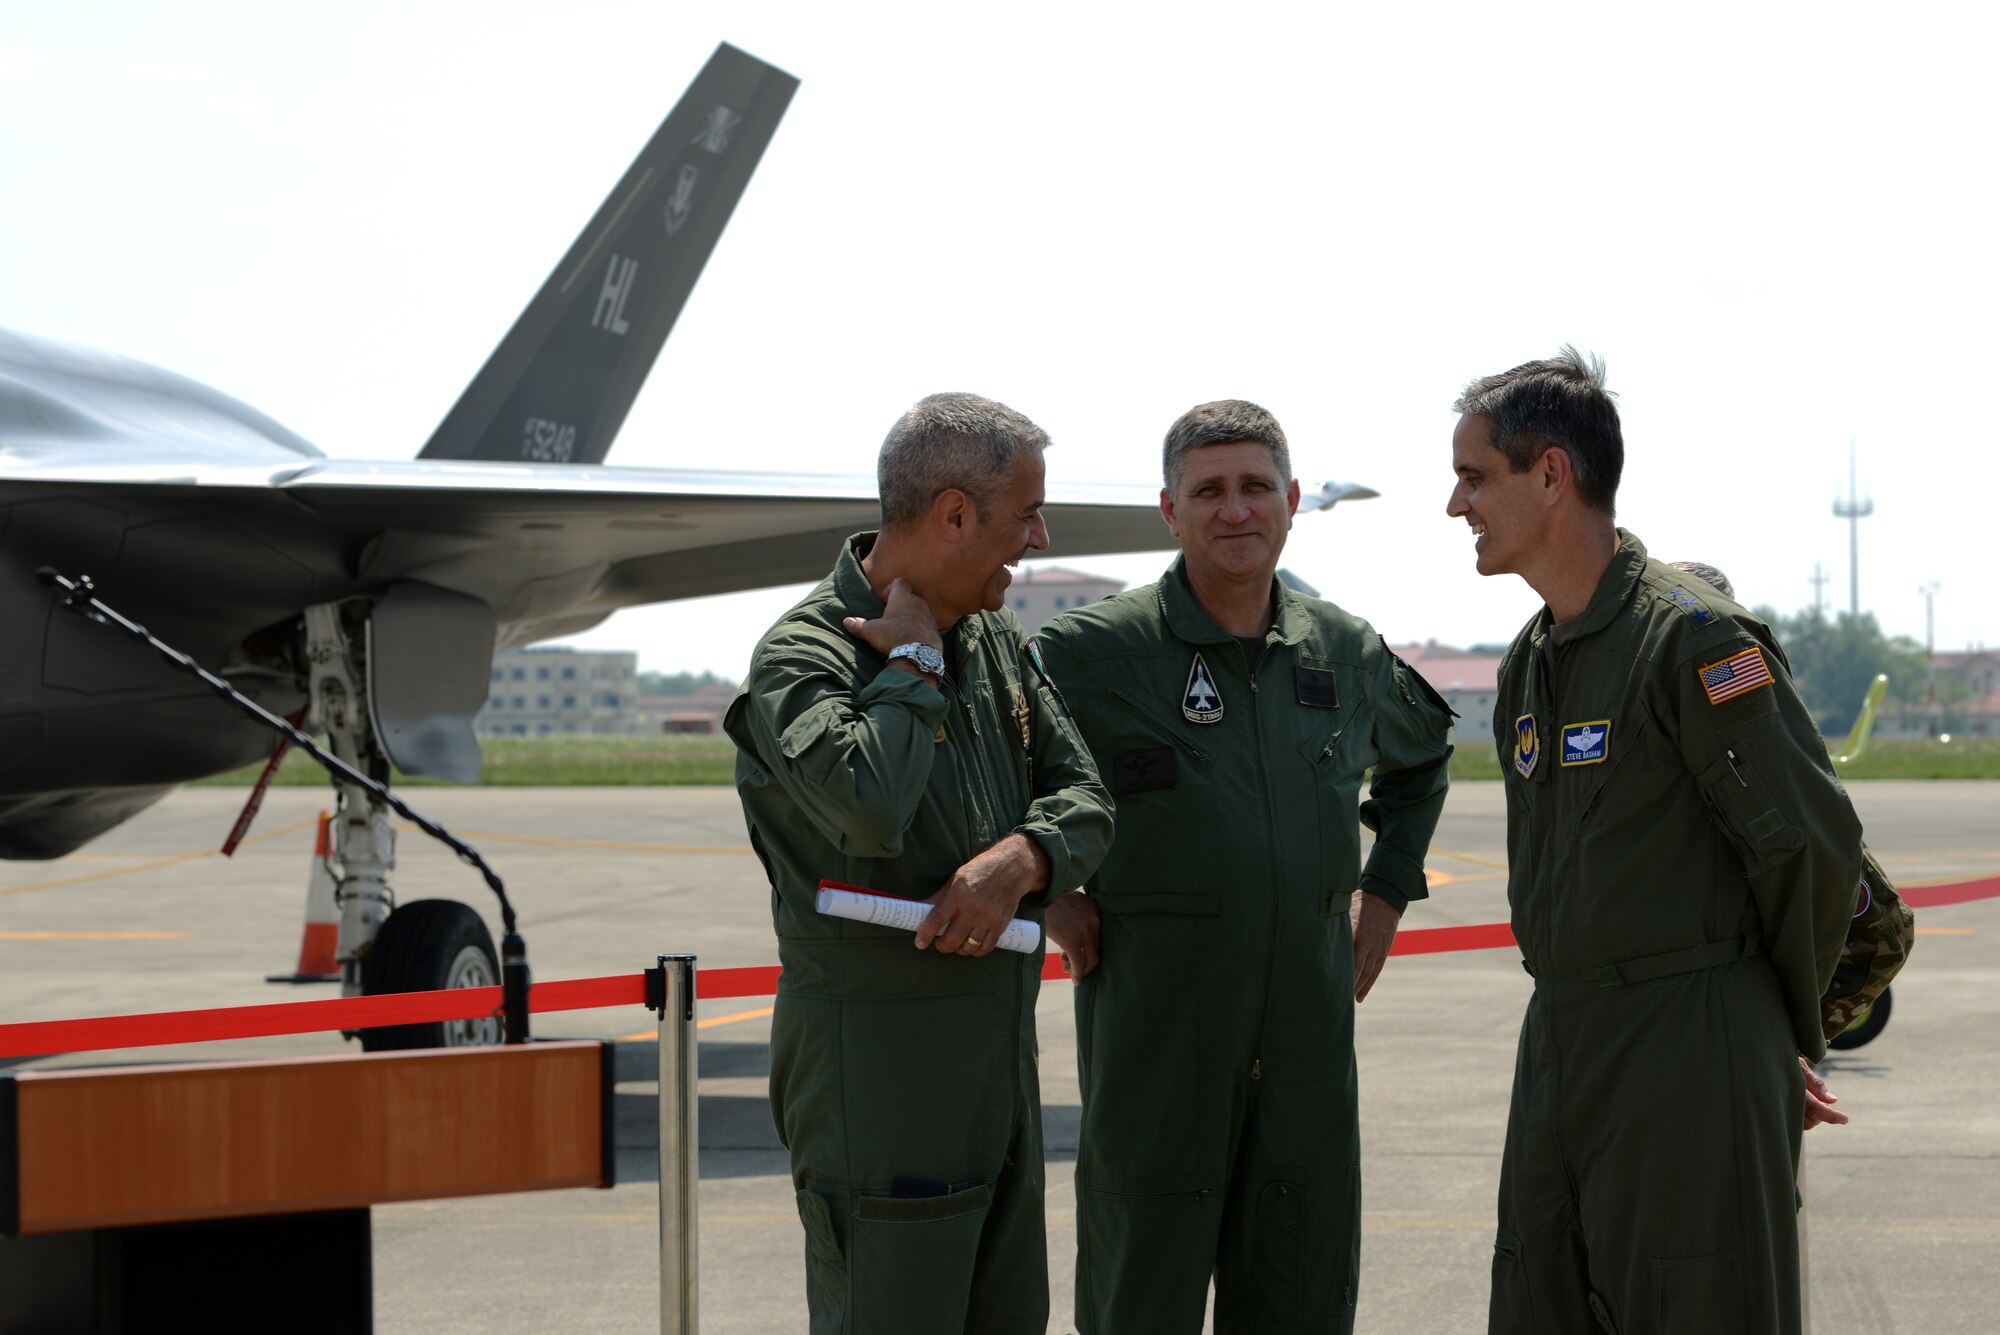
<point>1143,771</point>
<point>1586,743</point>
<point>1527,745</point>
<point>1317,687</point>
<point>1201,703</point>
<point>1018,701</point>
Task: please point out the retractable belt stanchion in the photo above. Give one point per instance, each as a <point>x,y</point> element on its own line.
<point>670,990</point>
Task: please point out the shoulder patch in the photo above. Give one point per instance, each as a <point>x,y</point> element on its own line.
<point>1734,713</point>
<point>1527,745</point>
<point>1733,676</point>
<point>1696,610</point>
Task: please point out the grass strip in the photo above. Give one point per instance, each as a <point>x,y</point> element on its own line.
<point>667,762</point>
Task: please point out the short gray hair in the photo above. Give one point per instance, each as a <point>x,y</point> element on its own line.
<point>1708,574</point>
<point>1561,402</point>
<point>946,442</point>
<point>1223,422</point>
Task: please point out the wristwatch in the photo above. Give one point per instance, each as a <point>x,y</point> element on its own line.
<point>927,658</point>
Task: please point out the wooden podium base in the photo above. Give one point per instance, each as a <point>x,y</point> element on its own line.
<point>305,1274</point>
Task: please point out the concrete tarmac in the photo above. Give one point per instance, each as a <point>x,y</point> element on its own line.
<point>1902,1206</point>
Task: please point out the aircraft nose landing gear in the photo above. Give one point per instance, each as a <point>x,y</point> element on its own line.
<point>425,946</point>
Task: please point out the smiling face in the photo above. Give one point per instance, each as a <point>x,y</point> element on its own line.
<point>1231,512</point>
<point>1008,528</point>
<point>1507,511</point>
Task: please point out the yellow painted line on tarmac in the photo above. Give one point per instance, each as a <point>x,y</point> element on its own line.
<point>1947,931</point>
<point>137,867</point>
<point>1468,857</point>
<point>1438,877</point>
<point>1948,880</point>
<point>736,1017</point>
<point>95,936</point>
<point>546,841</point>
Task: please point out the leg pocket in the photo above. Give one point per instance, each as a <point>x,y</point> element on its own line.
<point>1281,1251</point>
<point>826,1271</point>
<point>915,1257</point>
<point>1697,1295</point>
<point>1509,1311</point>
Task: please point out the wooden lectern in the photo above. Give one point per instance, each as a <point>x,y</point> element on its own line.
<point>234,1195</point>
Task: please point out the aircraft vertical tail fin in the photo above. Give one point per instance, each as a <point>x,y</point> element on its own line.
<point>1864,722</point>
<point>559,385</point>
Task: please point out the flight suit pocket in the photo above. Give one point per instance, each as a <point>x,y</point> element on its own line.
<point>1511,1308</point>
<point>801,742</point>
<point>1750,819</point>
<point>1696,1294</point>
<point>1176,902</point>
<point>1281,1253</point>
<point>915,1255</point>
<point>1336,778</point>
<point>826,1269</point>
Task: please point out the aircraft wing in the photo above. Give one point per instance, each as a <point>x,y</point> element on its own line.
<point>551,549</point>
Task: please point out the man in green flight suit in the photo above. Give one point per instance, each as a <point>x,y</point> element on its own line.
<point>1682,869</point>
<point>892,735</point>
<point>1234,720</point>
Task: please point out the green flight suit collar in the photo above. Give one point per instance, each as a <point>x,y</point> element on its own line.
<point>850,581</point>
<point>858,598</point>
<point>1190,621</point>
<point>1614,591</point>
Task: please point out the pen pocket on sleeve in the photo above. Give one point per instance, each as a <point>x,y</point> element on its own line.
<point>915,1255</point>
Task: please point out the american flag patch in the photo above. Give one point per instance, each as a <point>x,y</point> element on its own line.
<point>1733,676</point>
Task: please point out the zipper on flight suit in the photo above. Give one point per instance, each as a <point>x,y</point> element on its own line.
<point>1155,728</point>
<point>1274,843</point>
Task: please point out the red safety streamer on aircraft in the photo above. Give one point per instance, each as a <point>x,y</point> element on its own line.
<point>45,1037</point>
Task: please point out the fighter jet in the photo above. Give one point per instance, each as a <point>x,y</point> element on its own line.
<point>368,598</point>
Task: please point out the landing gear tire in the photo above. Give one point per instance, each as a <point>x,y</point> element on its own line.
<point>1866,1025</point>
<point>428,945</point>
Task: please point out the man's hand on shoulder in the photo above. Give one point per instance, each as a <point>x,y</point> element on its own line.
<point>978,902</point>
<point>906,619</point>
<point>1073,924</point>
<point>1374,921</point>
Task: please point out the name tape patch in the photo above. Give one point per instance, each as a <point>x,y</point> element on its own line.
<point>1586,743</point>
<point>1317,687</point>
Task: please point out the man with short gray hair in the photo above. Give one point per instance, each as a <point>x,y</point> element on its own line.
<point>1235,721</point>
<point>892,734</point>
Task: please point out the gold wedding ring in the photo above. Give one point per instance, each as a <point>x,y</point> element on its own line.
<point>972,941</point>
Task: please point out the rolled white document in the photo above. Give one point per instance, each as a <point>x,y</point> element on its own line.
<point>909,914</point>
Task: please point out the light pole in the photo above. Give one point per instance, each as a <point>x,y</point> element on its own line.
<point>1929,591</point>
<point>1853,511</point>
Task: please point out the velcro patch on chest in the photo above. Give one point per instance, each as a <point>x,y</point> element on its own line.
<point>1143,771</point>
<point>1317,687</point>
<point>1586,743</point>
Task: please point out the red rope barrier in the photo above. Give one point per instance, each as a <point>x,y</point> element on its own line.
<point>44,1037</point>
<point>1959,892</point>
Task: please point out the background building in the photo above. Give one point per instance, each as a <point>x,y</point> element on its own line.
<point>553,691</point>
<point>699,711</point>
<point>1039,592</point>
<point>1468,679</point>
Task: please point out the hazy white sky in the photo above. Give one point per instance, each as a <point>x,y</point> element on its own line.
<point>1773,221</point>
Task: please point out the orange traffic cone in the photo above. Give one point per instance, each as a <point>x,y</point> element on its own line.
<point>322,929</point>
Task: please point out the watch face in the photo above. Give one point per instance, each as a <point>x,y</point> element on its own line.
<point>923,655</point>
